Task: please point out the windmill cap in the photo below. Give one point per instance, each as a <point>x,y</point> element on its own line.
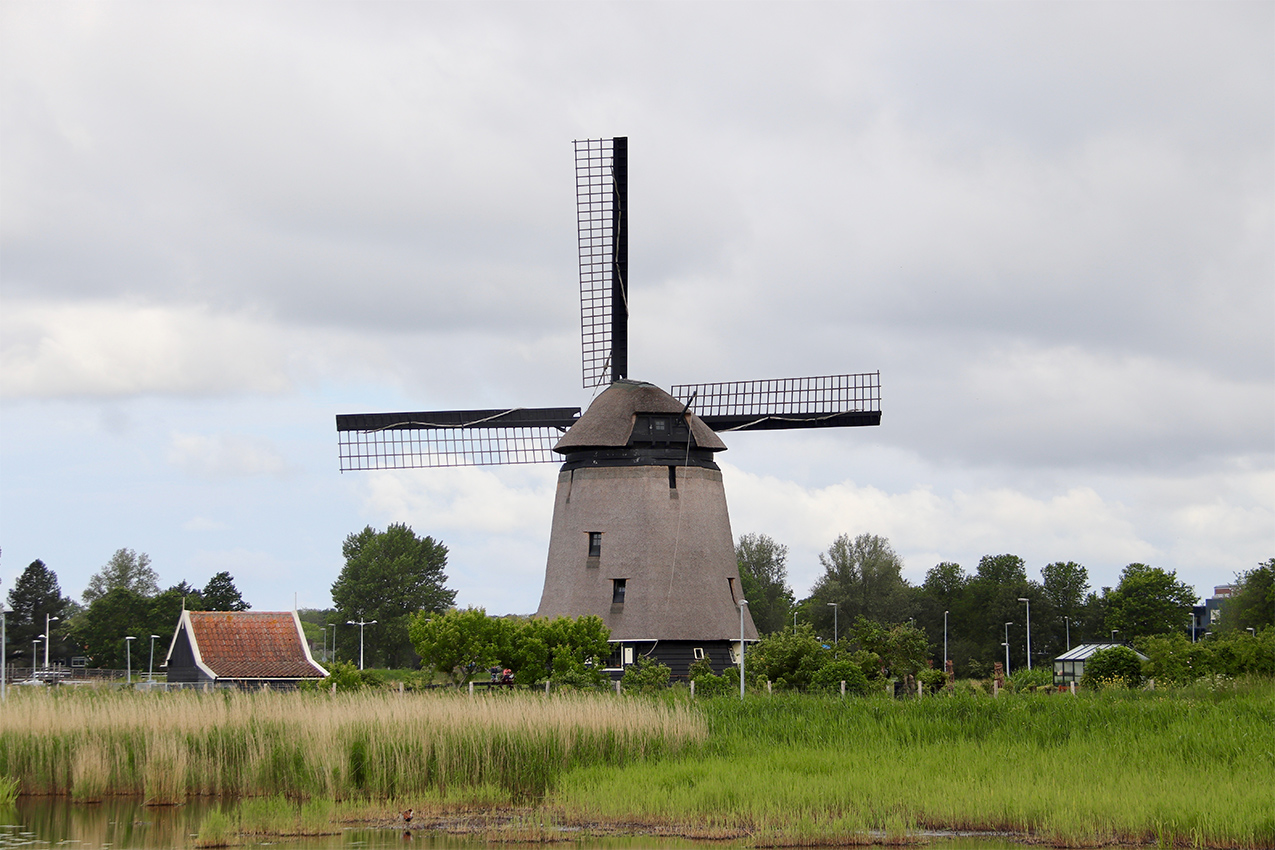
<point>609,421</point>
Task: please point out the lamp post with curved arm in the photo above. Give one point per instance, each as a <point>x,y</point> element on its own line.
<point>1007,625</point>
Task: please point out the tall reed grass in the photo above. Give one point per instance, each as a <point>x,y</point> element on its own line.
<point>1171,770</point>
<point>168,747</point>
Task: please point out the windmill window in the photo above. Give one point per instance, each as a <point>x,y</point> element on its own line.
<point>730,580</point>
<point>595,544</point>
<point>699,652</point>
<point>659,427</point>
<point>617,590</point>
<point>672,477</point>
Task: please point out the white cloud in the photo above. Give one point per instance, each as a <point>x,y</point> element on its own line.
<point>97,348</point>
<point>226,456</point>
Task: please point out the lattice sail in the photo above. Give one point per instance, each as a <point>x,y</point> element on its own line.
<point>815,402</point>
<point>602,233</point>
<point>451,438</point>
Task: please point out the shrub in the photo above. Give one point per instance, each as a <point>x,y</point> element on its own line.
<point>345,675</point>
<point>828,678</point>
<point>646,676</point>
<point>934,680</point>
<point>1117,665</point>
<point>1024,680</point>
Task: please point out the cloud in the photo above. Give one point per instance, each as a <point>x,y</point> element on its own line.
<point>226,456</point>
<point>105,349</point>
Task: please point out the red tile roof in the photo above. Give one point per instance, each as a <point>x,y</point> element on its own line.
<point>251,645</point>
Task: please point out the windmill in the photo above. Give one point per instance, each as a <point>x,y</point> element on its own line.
<point>641,536</point>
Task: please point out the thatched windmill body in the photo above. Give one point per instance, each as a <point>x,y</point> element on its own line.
<point>641,534</point>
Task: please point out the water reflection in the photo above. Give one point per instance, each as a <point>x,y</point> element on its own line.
<point>128,825</point>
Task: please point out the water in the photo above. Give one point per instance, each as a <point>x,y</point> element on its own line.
<point>128,825</point>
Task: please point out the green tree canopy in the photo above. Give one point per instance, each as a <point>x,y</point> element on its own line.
<point>99,631</point>
<point>763,575</point>
<point>461,643</point>
<point>36,595</point>
<point>1149,601</point>
<point>220,594</point>
<point>125,569</point>
<point>864,577</point>
<point>389,576</point>
<point>1252,602</point>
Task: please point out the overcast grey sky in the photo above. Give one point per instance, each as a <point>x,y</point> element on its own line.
<point>1051,227</point>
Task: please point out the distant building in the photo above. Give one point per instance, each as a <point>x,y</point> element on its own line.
<point>244,649</point>
<point>1204,617</point>
<point>1070,666</point>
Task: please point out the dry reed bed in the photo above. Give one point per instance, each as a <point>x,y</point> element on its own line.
<point>168,747</point>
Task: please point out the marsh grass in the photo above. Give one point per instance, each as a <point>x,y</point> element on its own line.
<point>1145,768</point>
<point>169,747</point>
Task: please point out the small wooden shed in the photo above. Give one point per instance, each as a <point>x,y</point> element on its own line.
<point>241,649</point>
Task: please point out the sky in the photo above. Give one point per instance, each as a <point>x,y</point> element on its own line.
<point>1050,227</point>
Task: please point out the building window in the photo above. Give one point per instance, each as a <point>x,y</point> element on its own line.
<point>628,656</point>
<point>699,652</point>
<point>672,477</point>
<point>595,544</point>
<point>617,590</point>
<point>659,428</point>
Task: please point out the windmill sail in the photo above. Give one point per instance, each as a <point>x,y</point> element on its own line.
<point>825,401</point>
<point>602,226</point>
<point>451,437</point>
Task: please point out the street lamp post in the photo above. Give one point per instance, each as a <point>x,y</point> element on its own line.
<point>1113,635</point>
<point>1007,625</point>
<point>332,652</point>
<point>4,653</point>
<point>743,603</point>
<point>1029,629</point>
<point>35,653</point>
<point>150,673</point>
<point>128,653</point>
<point>360,624</point>
<point>945,643</point>
<point>47,640</point>
<point>833,605</point>
<point>1067,620</point>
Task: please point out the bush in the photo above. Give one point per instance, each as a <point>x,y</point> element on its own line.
<point>828,678</point>
<point>345,675</point>
<point>709,684</point>
<point>646,676</point>
<point>1021,681</point>
<point>934,680</point>
<point>1113,667</point>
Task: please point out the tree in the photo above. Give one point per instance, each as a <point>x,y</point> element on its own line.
<point>100,630</point>
<point>902,648</point>
<point>999,582</point>
<point>35,596</point>
<point>220,594</point>
<point>1066,585</point>
<point>125,569</point>
<point>388,577</point>
<point>1252,602</point>
<point>462,644</point>
<point>763,577</point>
<point>864,577</point>
<point>1149,601</point>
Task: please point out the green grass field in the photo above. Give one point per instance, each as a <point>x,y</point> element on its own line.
<point>1192,767</point>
